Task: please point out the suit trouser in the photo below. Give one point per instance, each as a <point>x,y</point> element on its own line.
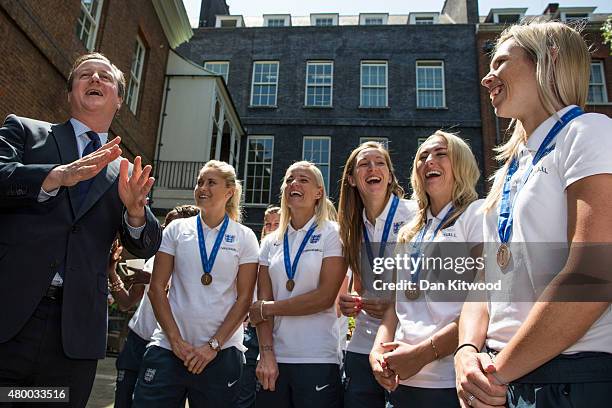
<point>35,358</point>
<point>361,390</point>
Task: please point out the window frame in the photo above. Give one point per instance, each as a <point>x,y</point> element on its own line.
<point>382,140</point>
<point>331,85</point>
<point>363,17</point>
<point>251,104</point>
<point>412,17</point>
<point>238,19</point>
<point>326,181</point>
<point>219,62</point>
<point>416,77</point>
<point>286,18</point>
<point>246,170</point>
<point>319,16</point>
<point>90,44</point>
<point>131,99</point>
<point>361,86</point>
<point>600,64</point>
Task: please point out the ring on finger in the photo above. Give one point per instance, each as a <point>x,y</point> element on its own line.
<point>471,398</point>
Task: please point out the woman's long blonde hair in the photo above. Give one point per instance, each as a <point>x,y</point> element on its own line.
<point>350,205</point>
<point>233,207</point>
<point>324,208</point>
<point>465,172</point>
<point>562,62</point>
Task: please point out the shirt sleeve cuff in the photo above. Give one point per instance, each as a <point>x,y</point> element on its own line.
<point>44,196</point>
<point>135,232</point>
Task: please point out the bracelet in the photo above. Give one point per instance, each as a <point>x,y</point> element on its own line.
<point>261,305</point>
<point>465,345</point>
<point>499,379</point>
<point>115,286</point>
<point>435,349</point>
<point>266,347</point>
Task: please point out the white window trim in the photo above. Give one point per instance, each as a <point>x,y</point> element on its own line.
<point>219,62</point>
<point>136,76</point>
<point>374,62</point>
<point>328,138</point>
<point>251,105</point>
<point>314,17</point>
<point>383,140</point>
<point>364,16</point>
<point>603,83</point>
<point>238,19</point>
<point>285,17</point>
<point>246,171</point>
<point>441,62</point>
<point>95,21</point>
<point>496,12</point>
<point>412,17</point>
<point>496,17</point>
<point>331,85</point>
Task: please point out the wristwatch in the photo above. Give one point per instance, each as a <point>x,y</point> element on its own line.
<point>214,344</point>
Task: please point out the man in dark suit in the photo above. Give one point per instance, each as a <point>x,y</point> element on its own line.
<point>65,193</point>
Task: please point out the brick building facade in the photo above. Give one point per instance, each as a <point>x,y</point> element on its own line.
<point>294,122</point>
<point>41,39</point>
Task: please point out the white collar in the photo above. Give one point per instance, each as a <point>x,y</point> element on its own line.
<point>443,212</point>
<point>383,215</point>
<point>539,134</point>
<point>80,128</point>
<point>305,228</point>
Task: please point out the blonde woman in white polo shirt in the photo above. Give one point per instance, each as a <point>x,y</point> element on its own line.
<point>553,191</point>
<point>411,353</point>
<point>372,209</point>
<point>212,259</point>
<point>300,272</point>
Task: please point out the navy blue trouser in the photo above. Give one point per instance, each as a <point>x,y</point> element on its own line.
<point>304,386</point>
<point>248,380</point>
<point>361,390</point>
<point>128,366</point>
<point>576,380</point>
<point>409,397</point>
<point>164,381</point>
<point>35,358</point>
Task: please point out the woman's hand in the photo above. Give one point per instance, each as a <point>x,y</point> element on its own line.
<point>181,348</point>
<point>383,375</point>
<point>267,370</point>
<point>256,312</point>
<point>198,358</point>
<point>476,387</point>
<point>375,307</point>
<point>350,305</point>
<point>405,359</point>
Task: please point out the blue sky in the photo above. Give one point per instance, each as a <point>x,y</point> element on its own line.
<point>353,7</point>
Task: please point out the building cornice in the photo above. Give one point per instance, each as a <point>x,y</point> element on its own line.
<point>174,21</point>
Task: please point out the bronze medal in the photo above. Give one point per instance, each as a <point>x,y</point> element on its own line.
<point>412,294</point>
<point>206,279</point>
<point>503,256</point>
<point>290,285</point>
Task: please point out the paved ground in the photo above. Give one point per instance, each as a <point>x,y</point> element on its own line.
<point>103,393</point>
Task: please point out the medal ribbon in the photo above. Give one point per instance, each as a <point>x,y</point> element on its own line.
<point>207,264</point>
<point>506,207</point>
<point>418,243</point>
<point>289,268</point>
<point>385,235</point>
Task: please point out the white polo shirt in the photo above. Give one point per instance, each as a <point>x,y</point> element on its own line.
<point>583,149</point>
<point>143,323</point>
<point>197,309</point>
<point>366,326</point>
<point>312,338</point>
<point>419,320</point>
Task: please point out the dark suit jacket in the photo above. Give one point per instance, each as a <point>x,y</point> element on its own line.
<point>38,238</point>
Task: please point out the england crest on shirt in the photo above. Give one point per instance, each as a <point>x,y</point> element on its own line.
<point>230,238</point>
<point>397,226</point>
<point>315,238</point>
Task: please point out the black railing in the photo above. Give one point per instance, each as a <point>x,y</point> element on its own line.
<point>177,175</point>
